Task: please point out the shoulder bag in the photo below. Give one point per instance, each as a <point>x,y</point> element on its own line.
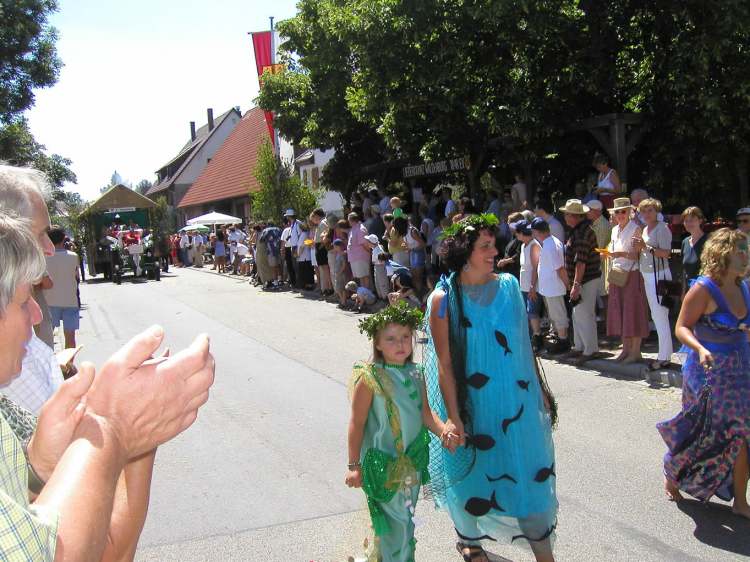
<point>668,292</point>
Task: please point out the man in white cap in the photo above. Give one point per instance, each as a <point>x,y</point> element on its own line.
<point>743,220</point>
<point>290,238</point>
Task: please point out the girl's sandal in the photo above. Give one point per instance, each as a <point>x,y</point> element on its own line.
<point>475,554</point>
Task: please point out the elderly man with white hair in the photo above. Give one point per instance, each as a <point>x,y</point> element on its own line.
<point>91,454</point>
<point>23,191</point>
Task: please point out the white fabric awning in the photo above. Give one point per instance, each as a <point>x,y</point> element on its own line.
<point>215,218</point>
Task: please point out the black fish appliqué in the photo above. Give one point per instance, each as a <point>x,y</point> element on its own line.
<point>501,477</point>
<point>477,380</point>
<point>503,341</point>
<point>508,421</point>
<point>544,474</point>
<point>523,384</point>
<point>465,322</point>
<point>480,506</point>
<point>481,441</point>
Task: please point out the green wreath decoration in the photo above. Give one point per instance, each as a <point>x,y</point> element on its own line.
<point>486,221</point>
<point>400,313</point>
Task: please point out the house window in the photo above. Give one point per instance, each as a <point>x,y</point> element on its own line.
<point>304,178</point>
<point>315,178</point>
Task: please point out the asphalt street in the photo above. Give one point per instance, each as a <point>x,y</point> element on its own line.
<point>259,477</point>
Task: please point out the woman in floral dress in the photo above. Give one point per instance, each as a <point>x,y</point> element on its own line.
<point>708,439</point>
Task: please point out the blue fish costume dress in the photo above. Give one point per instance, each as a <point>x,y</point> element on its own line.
<point>705,438</point>
<point>394,456</point>
<point>506,493</point>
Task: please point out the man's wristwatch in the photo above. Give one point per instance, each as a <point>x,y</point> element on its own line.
<point>35,482</point>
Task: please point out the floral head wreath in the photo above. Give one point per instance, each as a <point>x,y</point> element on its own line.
<point>487,221</point>
<point>400,313</point>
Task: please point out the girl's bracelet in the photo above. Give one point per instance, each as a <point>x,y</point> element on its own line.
<point>354,465</point>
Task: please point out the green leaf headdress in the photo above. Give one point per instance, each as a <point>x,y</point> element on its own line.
<point>399,313</point>
<point>487,221</point>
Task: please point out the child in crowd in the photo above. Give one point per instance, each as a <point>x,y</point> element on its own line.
<point>388,431</point>
<point>381,278</point>
<point>402,290</point>
<point>339,271</point>
<point>362,296</point>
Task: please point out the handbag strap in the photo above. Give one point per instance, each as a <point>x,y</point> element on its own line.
<point>656,278</point>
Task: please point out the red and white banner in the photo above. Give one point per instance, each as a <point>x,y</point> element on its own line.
<point>263,48</point>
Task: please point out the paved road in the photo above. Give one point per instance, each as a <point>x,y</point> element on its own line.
<point>260,475</point>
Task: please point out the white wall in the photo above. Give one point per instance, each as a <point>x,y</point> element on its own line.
<point>286,151</point>
<point>209,148</point>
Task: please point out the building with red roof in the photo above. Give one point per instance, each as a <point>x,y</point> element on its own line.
<point>227,180</point>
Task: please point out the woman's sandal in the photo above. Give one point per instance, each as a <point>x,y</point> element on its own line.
<point>475,554</point>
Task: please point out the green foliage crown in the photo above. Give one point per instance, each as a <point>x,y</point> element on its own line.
<point>400,313</point>
<point>487,221</point>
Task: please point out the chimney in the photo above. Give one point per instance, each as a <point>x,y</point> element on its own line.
<point>238,109</point>
<point>210,119</point>
<point>192,131</point>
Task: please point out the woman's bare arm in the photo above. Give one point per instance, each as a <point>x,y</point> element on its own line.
<point>695,304</point>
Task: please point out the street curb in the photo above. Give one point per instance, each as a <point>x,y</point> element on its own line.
<point>637,371</point>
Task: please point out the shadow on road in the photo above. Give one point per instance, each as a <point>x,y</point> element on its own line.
<point>717,526</point>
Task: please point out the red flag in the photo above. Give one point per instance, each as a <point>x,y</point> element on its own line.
<point>264,59</point>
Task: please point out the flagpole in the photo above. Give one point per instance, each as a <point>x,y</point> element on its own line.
<point>277,148</point>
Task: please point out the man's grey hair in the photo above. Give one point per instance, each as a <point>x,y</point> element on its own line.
<point>17,185</point>
<point>20,255</point>
<point>642,193</point>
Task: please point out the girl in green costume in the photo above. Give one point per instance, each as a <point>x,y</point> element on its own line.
<point>388,439</point>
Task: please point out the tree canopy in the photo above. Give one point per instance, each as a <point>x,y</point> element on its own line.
<point>28,61</point>
<point>510,81</point>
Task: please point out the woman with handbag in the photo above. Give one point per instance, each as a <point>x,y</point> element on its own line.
<point>708,440</point>
<point>655,247</point>
<point>626,306</point>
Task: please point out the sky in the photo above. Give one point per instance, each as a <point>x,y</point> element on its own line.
<point>137,72</point>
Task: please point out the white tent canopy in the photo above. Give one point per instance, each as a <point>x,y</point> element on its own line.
<point>215,218</point>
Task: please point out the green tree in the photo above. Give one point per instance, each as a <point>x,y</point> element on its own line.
<point>143,186</point>
<point>19,148</point>
<point>280,189</point>
<point>28,61</point>
<point>511,80</point>
<point>28,57</point>
<point>309,97</point>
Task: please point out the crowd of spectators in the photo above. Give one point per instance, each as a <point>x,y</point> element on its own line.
<point>596,271</point>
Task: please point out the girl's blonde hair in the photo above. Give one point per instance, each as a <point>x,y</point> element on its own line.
<point>717,253</point>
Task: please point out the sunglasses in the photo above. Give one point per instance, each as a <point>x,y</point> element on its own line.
<point>621,212</point>
<point>743,221</point>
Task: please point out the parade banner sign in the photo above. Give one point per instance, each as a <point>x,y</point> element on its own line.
<point>436,168</point>
<point>262,45</point>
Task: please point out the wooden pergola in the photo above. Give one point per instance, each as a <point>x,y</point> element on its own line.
<point>618,134</point>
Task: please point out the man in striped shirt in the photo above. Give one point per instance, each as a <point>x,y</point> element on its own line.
<point>583,265</point>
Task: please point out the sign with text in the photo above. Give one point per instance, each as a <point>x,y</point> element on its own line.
<point>436,168</point>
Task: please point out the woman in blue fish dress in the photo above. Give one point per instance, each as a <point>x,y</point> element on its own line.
<point>708,439</point>
<point>483,380</point>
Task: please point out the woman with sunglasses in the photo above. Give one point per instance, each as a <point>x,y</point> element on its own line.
<point>626,306</point>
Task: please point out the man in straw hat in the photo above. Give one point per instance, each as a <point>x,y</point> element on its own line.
<point>583,266</point>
